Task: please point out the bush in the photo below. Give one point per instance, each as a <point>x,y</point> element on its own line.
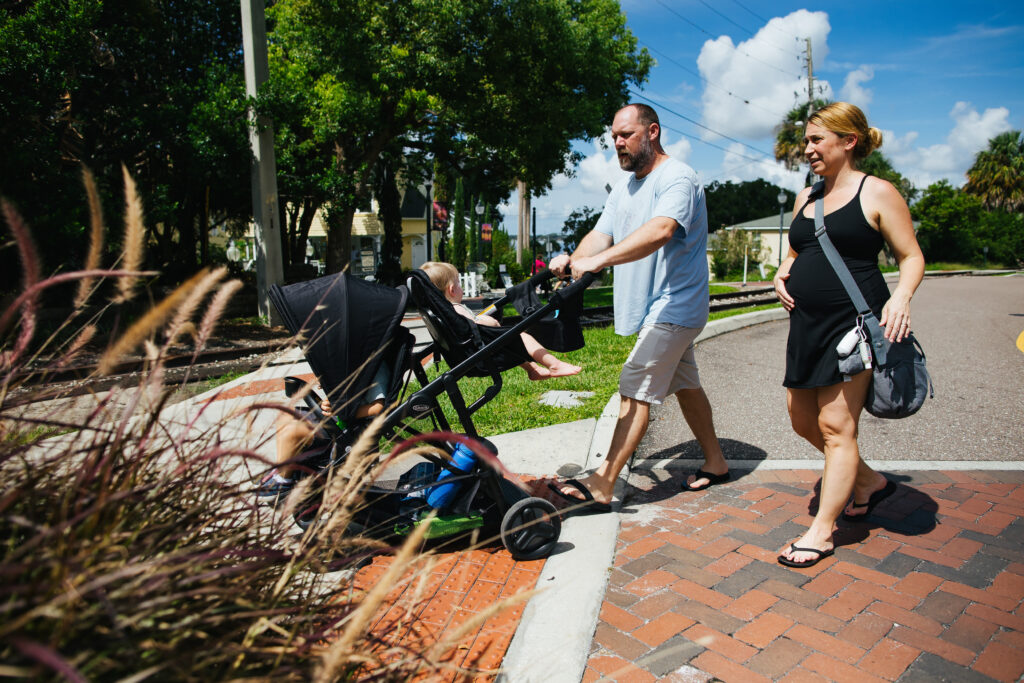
<point>131,550</point>
<point>503,254</point>
<point>727,251</point>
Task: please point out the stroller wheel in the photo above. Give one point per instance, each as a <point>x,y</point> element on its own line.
<point>530,529</point>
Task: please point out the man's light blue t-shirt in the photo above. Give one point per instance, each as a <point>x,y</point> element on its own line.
<point>670,285</point>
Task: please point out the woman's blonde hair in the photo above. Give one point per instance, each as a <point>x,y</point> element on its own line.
<point>442,274</point>
<point>843,118</point>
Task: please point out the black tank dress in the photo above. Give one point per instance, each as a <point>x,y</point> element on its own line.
<point>823,312</point>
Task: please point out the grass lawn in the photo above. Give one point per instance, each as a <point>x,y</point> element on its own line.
<point>515,408</point>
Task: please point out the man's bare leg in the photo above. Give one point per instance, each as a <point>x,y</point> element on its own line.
<point>697,412</point>
<point>629,430</point>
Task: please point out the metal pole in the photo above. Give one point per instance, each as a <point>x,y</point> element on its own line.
<point>430,221</point>
<point>533,242</point>
<point>266,225</point>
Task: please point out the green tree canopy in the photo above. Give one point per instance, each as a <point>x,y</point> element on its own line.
<point>877,164</point>
<point>506,82</point>
<point>577,225</point>
<point>730,203</point>
<point>948,219</point>
<point>154,86</point>
<point>997,176</point>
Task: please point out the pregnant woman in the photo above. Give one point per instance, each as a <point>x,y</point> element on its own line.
<point>861,214</point>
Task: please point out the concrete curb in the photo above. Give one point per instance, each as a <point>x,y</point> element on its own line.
<point>552,642</point>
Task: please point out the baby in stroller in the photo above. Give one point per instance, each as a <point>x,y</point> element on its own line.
<point>445,277</point>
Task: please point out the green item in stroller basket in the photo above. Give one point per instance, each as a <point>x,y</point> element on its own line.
<point>447,525</point>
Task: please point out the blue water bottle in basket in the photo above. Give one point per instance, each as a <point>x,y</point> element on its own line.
<point>444,493</point>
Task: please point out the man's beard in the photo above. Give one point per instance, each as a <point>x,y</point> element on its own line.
<point>639,161</point>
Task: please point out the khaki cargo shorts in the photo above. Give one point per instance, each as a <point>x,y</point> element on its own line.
<point>661,363</point>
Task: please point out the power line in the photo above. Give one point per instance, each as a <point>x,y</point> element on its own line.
<point>713,37</point>
<point>767,21</point>
<point>706,82</point>
<point>701,125</point>
<point>744,28</point>
<point>756,15</point>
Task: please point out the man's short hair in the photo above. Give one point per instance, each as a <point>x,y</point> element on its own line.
<point>646,115</point>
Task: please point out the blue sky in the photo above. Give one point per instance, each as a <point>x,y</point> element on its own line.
<point>937,78</point>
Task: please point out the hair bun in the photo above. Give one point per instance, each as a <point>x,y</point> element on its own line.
<point>875,139</point>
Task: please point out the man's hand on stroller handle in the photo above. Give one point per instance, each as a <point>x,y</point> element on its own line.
<point>563,266</point>
<point>559,264</point>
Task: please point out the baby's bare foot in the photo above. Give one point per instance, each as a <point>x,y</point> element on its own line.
<point>563,369</point>
<point>536,372</point>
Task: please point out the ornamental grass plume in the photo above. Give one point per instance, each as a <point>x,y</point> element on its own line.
<point>133,548</point>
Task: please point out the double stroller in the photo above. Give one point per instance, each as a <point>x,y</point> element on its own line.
<point>349,328</point>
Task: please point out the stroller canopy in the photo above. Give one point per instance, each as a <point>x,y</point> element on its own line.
<point>344,325</point>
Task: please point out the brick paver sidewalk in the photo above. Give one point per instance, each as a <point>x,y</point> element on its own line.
<point>929,589</point>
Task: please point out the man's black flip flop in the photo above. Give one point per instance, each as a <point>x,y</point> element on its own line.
<point>875,498</point>
<point>585,504</point>
<point>713,479</point>
<point>822,554</point>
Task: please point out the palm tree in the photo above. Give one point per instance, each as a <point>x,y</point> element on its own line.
<point>997,176</point>
<point>789,136</point>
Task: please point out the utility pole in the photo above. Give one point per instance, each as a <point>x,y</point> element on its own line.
<point>265,216</point>
<point>810,79</point>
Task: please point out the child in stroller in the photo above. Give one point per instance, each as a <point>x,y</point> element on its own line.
<point>296,436</point>
<point>445,277</point>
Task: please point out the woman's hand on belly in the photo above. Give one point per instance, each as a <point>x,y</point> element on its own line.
<point>780,284</point>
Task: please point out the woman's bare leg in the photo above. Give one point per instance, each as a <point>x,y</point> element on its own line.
<point>838,414</point>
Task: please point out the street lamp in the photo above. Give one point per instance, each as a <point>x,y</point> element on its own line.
<point>233,253</point>
<point>782,217</point>
<point>479,208</point>
<point>430,220</point>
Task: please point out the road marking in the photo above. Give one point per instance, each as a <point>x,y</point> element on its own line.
<point>1020,342</point>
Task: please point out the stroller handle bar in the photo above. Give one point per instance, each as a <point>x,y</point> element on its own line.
<point>543,276</point>
<point>572,288</point>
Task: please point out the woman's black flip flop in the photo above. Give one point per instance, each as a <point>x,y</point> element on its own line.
<point>875,498</point>
<point>822,554</point>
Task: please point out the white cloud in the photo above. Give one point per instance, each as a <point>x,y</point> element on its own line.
<point>737,167</point>
<point>768,70</point>
<point>601,167</point>
<point>853,90</point>
<point>951,159</point>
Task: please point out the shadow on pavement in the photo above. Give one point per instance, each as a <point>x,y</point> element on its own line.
<point>691,450</point>
<point>907,512</point>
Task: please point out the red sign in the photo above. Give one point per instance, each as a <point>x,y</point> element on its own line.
<point>440,216</point>
<point>485,232</point>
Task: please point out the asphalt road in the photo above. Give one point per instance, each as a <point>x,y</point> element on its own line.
<point>968,327</point>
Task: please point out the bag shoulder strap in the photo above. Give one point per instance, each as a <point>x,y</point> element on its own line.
<point>878,342</point>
